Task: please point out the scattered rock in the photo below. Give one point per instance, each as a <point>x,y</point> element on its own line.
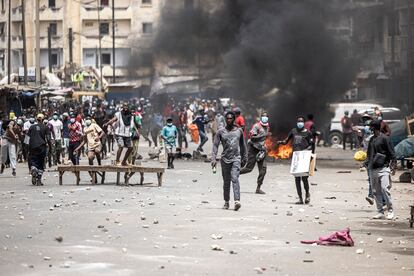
<point>46,258</point>
<point>155,221</point>
<point>289,213</point>
<point>216,237</point>
<point>360,251</point>
<point>216,247</point>
<point>308,261</point>
<point>380,240</point>
<point>259,270</point>
<point>59,238</point>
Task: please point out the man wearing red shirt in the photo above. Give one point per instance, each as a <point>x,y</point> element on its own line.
<point>75,137</point>
<point>240,122</point>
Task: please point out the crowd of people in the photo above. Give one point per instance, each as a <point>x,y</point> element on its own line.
<point>65,133</point>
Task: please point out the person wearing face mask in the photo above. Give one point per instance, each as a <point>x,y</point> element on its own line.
<point>39,140</point>
<point>234,152</point>
<point>92,137</point>
<point>170,134</point>
<point>75,137</point>
<point>301,140</point>
<point>58,141</point>
<point>124,121</point>
<point>256,150</point>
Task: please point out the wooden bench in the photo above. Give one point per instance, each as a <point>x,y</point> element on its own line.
<point>412,216</point>
<point>95,170</point>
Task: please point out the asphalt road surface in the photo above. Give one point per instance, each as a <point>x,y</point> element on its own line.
<point>180,228</point>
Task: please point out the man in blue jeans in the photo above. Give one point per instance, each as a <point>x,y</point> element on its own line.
<point>201,121</point>
<point>234,151</point>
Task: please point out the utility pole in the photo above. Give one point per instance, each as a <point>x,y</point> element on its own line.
<point>70,46</point>
<point>38,77</point>
<point>9,46</point>
<point>113,41</point>
<point>49,48</point>
<point>100,45</point>
<point>24,40</point>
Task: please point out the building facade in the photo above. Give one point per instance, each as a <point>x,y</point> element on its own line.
<point>91,25</point>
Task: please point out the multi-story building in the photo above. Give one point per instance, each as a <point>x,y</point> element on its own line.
<point>91,24</point>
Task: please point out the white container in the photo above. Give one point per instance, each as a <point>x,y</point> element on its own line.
<point>303,163</point>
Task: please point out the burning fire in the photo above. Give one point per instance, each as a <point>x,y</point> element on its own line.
<point>278,151</point>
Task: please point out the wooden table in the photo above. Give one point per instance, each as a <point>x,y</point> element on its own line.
<point>96,170</point>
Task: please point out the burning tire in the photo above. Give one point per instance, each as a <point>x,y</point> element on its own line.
<point>335,138</point>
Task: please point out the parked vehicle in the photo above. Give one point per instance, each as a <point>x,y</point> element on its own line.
<point>391,114</point>
<point>335,133</point>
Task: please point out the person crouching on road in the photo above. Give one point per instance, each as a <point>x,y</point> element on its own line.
<point>169,134</point>
<point>381,161</point>
<point>93,134</point>
<point>256,149</point>
<point>39,140</point>
<point>302,140</point>
<point>234,152</point>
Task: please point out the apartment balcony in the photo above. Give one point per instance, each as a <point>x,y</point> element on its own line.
<point>51,14</point>
<point>92,41</point>
<point>17,41</point>
<point>16,15</point>
<point>57,41</point>
<point>105,13</point>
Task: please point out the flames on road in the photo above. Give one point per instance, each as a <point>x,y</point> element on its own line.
<point>278,151</point>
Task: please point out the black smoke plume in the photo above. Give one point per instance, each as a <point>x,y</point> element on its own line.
<point>265,45</point>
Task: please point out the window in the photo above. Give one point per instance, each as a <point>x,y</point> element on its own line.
<point>104,2</point>
<point>106,59</point>
<point>147,28</point>
<point>52,3</point>
<point>2,28</point>
<point>54,59</point>
<point>88,24</point>
<point>90,55</point>
<point>146,60</point>
<point>104,29</point>
<point>53,29</point>
<point>146,2</point>
<point>2,5</point>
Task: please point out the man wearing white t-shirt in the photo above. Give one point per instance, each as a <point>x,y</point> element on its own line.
<point>57,142</point>
<point>123,122</point>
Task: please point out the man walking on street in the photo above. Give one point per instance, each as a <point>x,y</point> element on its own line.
<point>381,162</point>
<point>170,133</point>
<point>39,140</point>
<point>75,136</point>
<point>256,149</point>
<point>201,121</point>
<point>234,151</point>
<point>347,131</point>
<point>58,141</point>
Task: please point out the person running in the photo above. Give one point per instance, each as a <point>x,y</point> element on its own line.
<point>381,162</point>
<point>234,152</point>
<point>201,121</point>
<point>301,140</point>
<point>39,140</point>
<point>92,137</point>
<point>170,134</point>
<point>256,149</point>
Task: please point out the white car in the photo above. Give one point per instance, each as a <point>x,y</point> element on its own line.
<point>335,133</point>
